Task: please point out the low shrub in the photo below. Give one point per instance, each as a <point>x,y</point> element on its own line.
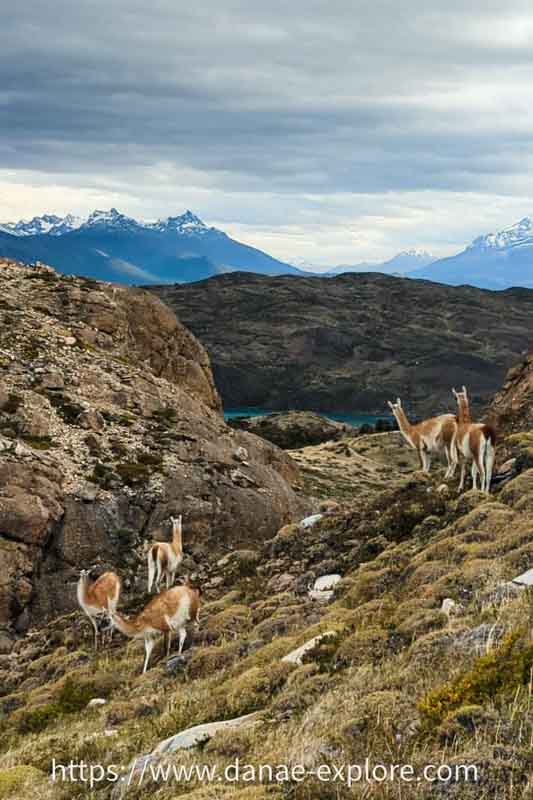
<point>498,673</point>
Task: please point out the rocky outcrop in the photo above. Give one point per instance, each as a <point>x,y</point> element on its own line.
<point>109,423</point>
<point>512,408</point>
<point>293,429</point>
<point>353,342</point>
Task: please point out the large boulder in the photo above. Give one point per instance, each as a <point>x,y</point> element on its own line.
<point>109,424</point>
<point>293,429</point>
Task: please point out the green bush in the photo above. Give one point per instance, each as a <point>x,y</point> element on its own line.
<point>498,673</point>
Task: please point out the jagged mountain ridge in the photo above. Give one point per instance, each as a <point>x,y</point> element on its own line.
<point>114,247</point>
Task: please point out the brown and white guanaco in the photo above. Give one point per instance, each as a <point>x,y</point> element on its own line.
<point>98,598</point>
<point>475,442</point>
<point>434,435</point>
<point>165,614</point>
<point>164,558</point>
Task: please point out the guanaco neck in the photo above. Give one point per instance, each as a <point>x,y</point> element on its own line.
<point>177,538</point>
<point>406,429</point>
<point>463,411</point>
<point>83,585</point>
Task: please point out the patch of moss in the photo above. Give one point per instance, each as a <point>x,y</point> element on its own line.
<point>18,778</point>
<point>165,416</point>
<point>39,442</point>
<point>72,697</point>
<point>253,688</point>
<point>118,419</point>
<point>150,459</point>
<point>133,474</point>
<point>102,474</point>
<point>495,674</point>
<point>37,719</point>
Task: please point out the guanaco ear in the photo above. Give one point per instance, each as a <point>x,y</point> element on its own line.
<point>399,402</point>
<point>465,392</point>
<point>455,394</point>
<point>391,405</point>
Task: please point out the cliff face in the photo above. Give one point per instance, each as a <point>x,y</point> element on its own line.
<point>352,342</point>
<point>512,408</point>
<point>109,423</point>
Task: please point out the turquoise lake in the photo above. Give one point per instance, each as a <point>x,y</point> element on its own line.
<point>350,419</point>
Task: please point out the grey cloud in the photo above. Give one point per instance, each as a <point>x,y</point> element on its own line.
<point>279,99</point>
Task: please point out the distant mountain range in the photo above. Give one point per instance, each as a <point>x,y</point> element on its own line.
<point>494,261</point>
<point>401,264</point>
<point>111,246</point>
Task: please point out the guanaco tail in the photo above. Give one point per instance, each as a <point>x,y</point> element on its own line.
<point>99,598</point>
<point>165,614</point>
<point>164,558</point>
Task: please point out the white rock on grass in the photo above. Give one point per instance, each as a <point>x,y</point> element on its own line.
<point>308,522</point>
<point>326,582</point>
<point>525,579</point>
<point>199,734</point>
<point>184,740</point>
<point>296,656</point>
<point>96,702</point>
<point>448,606</point>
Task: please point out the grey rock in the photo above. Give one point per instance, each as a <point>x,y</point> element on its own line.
<point>296,656</point>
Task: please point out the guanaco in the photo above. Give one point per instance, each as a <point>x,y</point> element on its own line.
<point>433,435</point>
<point>476,442</point>
<point>164,558</point>
<point>98,599</point>
<point>165,614</point>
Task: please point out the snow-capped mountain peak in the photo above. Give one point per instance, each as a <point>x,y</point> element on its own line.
<point>49,224</point>
<point>521,233</point>
<point>415,253</point>
<point>110,219</point>
<point>187,224</point>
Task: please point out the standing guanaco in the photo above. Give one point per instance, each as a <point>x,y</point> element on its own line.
<point>98,599</point>
<point>476,442</point>
<point>164,558</point>
<point>433,435</point>
<point>165,614</point>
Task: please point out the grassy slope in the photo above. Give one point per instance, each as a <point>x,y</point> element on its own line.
<point>398,682</point>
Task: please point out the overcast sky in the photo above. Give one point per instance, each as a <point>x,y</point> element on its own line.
<point>327,131</point>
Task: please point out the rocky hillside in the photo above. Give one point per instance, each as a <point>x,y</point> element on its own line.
<point>512,407</point>
<point>392,625</point>
<point>352,342</point>
<point>303,677</point>
<point>109,423</point>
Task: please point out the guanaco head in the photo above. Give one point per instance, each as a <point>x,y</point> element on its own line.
<point>462,395</point>
<point>395,407</point>
<point>176,523</point>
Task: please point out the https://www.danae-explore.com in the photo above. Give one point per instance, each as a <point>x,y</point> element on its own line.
<point>146,771</point>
